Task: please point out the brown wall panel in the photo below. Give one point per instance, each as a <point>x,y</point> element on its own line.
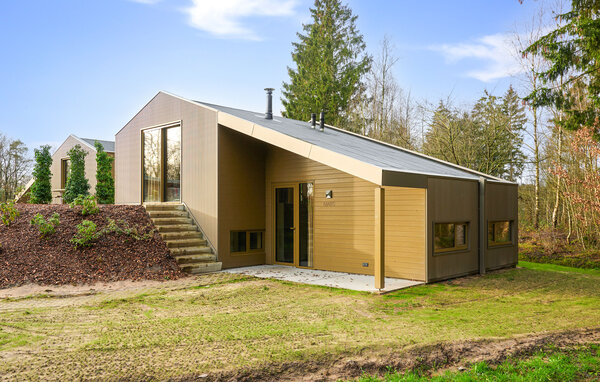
<point>453,201</point>
<point>198,151</point>
<point>501,203</point>
<point>241,193</point>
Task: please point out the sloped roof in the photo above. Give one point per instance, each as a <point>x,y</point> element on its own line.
<point>379,154</point>
<point>109,146</point>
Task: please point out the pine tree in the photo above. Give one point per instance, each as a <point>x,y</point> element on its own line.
<point>516,119</point>
<point>105,184</point>
<point>41,190</point>
<point>77,184</point>
<point>330,62</point>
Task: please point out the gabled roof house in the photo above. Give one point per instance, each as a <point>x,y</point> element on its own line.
<point>265,189</point>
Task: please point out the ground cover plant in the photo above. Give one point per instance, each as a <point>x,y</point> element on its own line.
<point>28,258</point>
<point>237,327</point>
<point>88,204</point>
<point>46,227</point>
<point>561,365</point>
<point>551,247</point>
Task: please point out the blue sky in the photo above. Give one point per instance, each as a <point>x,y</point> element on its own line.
<point>87,66</point>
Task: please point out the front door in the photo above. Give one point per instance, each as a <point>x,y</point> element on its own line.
<point>293,224</point>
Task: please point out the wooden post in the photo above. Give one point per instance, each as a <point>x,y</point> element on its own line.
<point>379,263</point>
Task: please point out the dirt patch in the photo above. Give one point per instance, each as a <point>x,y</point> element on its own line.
<point>442,355</point>
<point>26,258</point>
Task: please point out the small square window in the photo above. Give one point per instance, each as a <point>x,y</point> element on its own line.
<point>237,241</point>
<point>450,237</point>
<point>500,233</point>
<point>256,241</point>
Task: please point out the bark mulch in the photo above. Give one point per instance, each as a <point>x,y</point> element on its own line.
<point>27,258</point>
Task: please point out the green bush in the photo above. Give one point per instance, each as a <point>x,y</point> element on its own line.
<point>105,183</point>
<point>46,227</point>
<point>87,234</point>
<point>41,189</point>
<point>124,228</point>
<point>77,184</point>
<point>8,213</point>
<point>88,204</point>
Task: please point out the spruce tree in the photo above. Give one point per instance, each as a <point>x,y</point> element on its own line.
<point>105,184</point>
<point>330,61</point>
<point>77,184</point>
<point>41,190</point>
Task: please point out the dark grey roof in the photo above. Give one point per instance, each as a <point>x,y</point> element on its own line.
<point>361,148</point>
<point>109,146</point>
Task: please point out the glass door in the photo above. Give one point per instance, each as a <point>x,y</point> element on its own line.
<point>284,225</point>
<point>161,164</point>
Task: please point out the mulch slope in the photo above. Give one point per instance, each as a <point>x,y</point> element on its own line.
<point>27,258</point>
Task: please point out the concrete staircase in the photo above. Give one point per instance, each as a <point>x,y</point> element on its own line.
<point>183,237</point>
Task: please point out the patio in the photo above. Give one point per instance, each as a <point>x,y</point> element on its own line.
<point>363,283</point>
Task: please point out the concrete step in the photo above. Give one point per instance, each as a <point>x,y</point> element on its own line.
<point>159,222</point>
<point>201,267</point>
<point>181,243</point>
<point>164,207</point>
<point>196,258</point>
<point>175,252</point>
<point>168,214</point>
<point>177,228</point>
<point>181,235</point>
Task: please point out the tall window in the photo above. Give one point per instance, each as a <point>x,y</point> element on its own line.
<point>65,167</point>
<point>450,237</point>
<point>500,233</point>
<point>162,164</point>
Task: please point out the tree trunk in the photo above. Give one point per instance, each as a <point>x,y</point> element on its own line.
<point>558,180</point>
<point>536,148</point>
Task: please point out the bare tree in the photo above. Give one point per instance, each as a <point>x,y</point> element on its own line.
<point>14,166</point>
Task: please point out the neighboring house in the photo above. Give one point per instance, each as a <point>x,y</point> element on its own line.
<point>60,166</point>
<point>271,190</point>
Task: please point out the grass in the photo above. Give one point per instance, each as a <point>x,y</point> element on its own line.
<point>227,322</point>
<point>578,364</point>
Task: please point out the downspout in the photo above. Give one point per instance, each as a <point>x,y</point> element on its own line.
<point>482,226</point>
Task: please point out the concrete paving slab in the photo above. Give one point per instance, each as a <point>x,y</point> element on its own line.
<point>363,283</point>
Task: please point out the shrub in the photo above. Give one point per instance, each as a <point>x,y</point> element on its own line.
<point>8,213</point>
<point>46,227</point>
<point>41,190</point>
<point>125,229</point>
<point>86,235</point>
<point>77,184</point>
<point>105,184</point>
<point>88,204</point>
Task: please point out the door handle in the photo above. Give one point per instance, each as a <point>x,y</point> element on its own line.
<point>292,228</point>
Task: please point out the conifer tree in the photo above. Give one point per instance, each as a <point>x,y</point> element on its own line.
<point>330,61</point>
<point>41,190</point>
<point>105,184</point>
<point>77,184</point>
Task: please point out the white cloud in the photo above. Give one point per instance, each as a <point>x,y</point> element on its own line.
<point>223,18</point>
<point>494,51</point>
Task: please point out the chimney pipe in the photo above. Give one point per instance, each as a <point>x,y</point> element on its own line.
<point>269,113</point>
<point>322,122</point>
<point>313,120</point>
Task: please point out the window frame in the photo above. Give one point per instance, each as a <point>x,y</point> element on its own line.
<point>64,169</point>
<point>495,244</point>
<point>248,251</point>
<point>455,249</point>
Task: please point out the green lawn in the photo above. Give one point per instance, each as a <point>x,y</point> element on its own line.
<point>227,322</point>
<point>578,364</point>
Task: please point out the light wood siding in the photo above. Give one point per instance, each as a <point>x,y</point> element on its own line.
<point>405,231</point>
<point>198,157</point>
<point>56,168</point>
<point>501,203</point>
<point>344,225</point>
<point>453,201</point>
<point>241,193</point>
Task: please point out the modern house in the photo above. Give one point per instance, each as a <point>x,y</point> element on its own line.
<point>60,166</point>
<point>270,190</point>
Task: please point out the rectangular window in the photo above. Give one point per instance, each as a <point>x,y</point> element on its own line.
<point>450,236</point>
<point>246,241</point>
<point>237,241</point>
<point>500,233</point>
<point>64,172</point>
<point>161,158</point>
